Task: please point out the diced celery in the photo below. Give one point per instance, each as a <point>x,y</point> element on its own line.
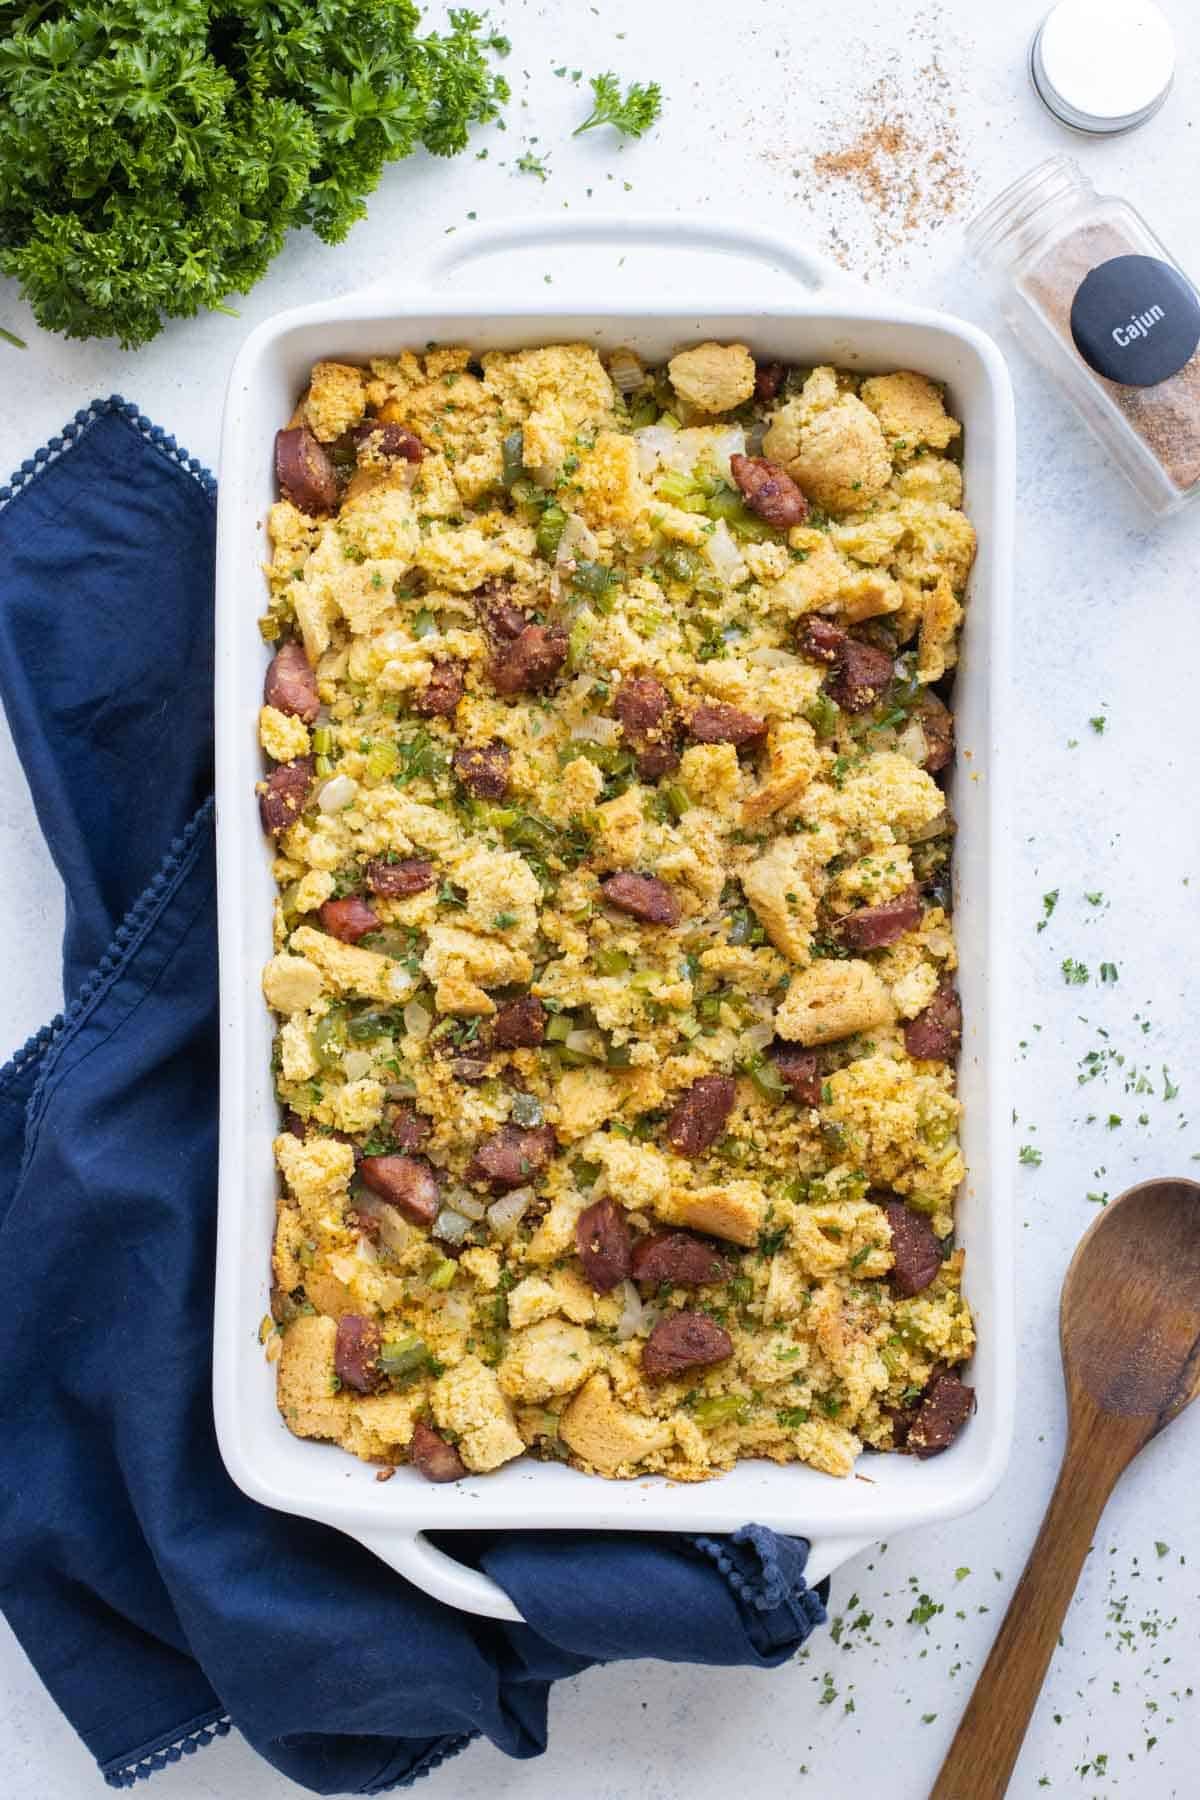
<point>675,487</point>
<point>550,528</point>
<point>676,798</point>
<point>382,761</point>
<point>443,1275</point>
<point>324,765</point>
<point>322,740</point>
<point>512,458</point>
<point>329,1038</point>
<point>559,1028</point>
<point>764,1076</point>
<point>610,961</point>
<point>403,1356</point>
<point>719,1409</point>
<point>424,624</point>
<point>526,1109</point>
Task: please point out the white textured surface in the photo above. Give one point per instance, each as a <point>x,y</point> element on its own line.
<point>1107,617</point>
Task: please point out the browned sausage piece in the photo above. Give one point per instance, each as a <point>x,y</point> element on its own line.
<point>716,723</point>
<point>443,691</point>
<point>304,470</point>
<point>512,1156</point>
<point>935,1034</point>
<point>291,686</point>
<point>519,1024</point>
<point>679,1257</point>
<point>500,617</point>
<point>862,675</point>
<point>406,1182</point>
<point>604,1244</point>
<point>684,1340</point>
<point>483,769</point>
<point>471,1069</point>
<point>873,926</point>
<point>768,379</point>
<point>396,880</point>
<point>917,1252</point>
<point>347,919</point>
<point>937,722</point>
<point>643,896</point>
<point>530,662</point>
<point>643,707</point>
<point>406,1127</point>
<point>356,1353</point>
<point>800,1073</point>
<point>390,440</point>
<point>698,1117</point>
<point>821,640</point>
<point>293,1123</point>
<point>769,491</point>
<point>943,1412</point>
<point>432,1457</point>
<point>287,790</point>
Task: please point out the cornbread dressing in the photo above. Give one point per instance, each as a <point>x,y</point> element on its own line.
<point>613,971</point>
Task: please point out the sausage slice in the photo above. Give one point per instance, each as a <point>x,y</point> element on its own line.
<point>512,1156</point>
<point>917,1252</point>
<point>356,1353</point>
<point>304,470</point>
<point>290,685</point>
<point>768,379</point>
<point>406,1182</point>
<point>684,1340</point>
<point>862,675</point>
<point>870,927</point>
<point>935,1034</point>
<point>286,792</point>
<point>937,722</point>
<point>519,1024</point>
<point>944,1410</point>
<point>697,1119</point>
<point>679,1257</point>
<point>821,640</point>
<point>484,769</point>
<point>716,723</point>
<point>604,1245</point>
<point>432,1457</point>
<point>530,662</point>
<point>443,691</point>
<point>643,707</point>
<point>800,1073</point>
<point>347,920</point>
<point>500,617</point>
<point>397,880</point>
<point>769,491</point>
<point>642,896</point>
<point>392,441</point>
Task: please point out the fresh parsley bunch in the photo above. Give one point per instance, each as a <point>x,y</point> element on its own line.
<point>155,153</point>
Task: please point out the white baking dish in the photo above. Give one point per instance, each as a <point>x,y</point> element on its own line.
<point>824,319</point>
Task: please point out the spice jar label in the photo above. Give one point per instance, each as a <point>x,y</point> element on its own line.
<point>1136,320</point>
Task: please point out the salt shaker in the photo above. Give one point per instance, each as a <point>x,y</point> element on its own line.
<point>1099,300</point>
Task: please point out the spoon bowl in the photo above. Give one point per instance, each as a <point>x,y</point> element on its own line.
<point>1129,1326</point>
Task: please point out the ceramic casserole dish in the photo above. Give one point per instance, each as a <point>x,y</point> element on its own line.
<point>793,307</point>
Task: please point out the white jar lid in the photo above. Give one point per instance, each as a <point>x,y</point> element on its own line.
<point>1103,66</point>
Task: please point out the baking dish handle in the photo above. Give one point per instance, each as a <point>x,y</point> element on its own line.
<point>471,1591</point>
<point>439,1575</point>
<point>660,232</point>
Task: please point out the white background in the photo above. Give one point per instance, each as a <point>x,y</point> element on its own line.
<point>1106,627</point>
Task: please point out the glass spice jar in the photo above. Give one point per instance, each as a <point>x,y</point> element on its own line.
<point>1091,291</point>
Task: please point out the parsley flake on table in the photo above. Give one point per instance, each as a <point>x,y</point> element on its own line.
<point>1049,902</point>
<point>1075,973</point>
<point>1027,1154</point>
<point>632,116</point>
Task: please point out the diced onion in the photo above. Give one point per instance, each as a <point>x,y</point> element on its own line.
<point>587,1043</point>
<point>724,555</point>
<point>631,1313</point>
<point>759,1036</point>
<point>337,793</point>
<point>357,1063</point>
<point>452,1227</point>
<point>684,451</point>
<point>625,367</point>
<point>755,436</point>
<point>464,1201</point>
<point>417,1020</point>
<point>912,743</point>
<point>366,1251</point>
<point>766,658</point>
<point>505,1214</point>
<point>576,541</point>
<point>596,730</point>
<point>394,1229</point>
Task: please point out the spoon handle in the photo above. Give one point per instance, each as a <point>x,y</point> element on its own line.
<point>980,1760</point>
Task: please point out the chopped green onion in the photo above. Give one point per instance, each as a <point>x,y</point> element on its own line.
<point>324,765</point>
<point>322,740</point>
<point>560,1028</point>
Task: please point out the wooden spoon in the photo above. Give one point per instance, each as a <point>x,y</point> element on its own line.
<point>1130,1332</point>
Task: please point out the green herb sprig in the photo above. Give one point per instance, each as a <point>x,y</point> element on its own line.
<point>632,115</point>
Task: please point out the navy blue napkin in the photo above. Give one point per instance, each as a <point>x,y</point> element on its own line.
<point>158,1604</point>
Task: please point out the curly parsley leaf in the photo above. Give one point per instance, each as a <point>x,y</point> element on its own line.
<point>632,116</point>
<point>154,154</point>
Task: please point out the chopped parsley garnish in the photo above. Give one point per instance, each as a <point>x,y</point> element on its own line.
<point>1049,902</point>
<point>1075,973</point>
<point>1027,1154</point>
